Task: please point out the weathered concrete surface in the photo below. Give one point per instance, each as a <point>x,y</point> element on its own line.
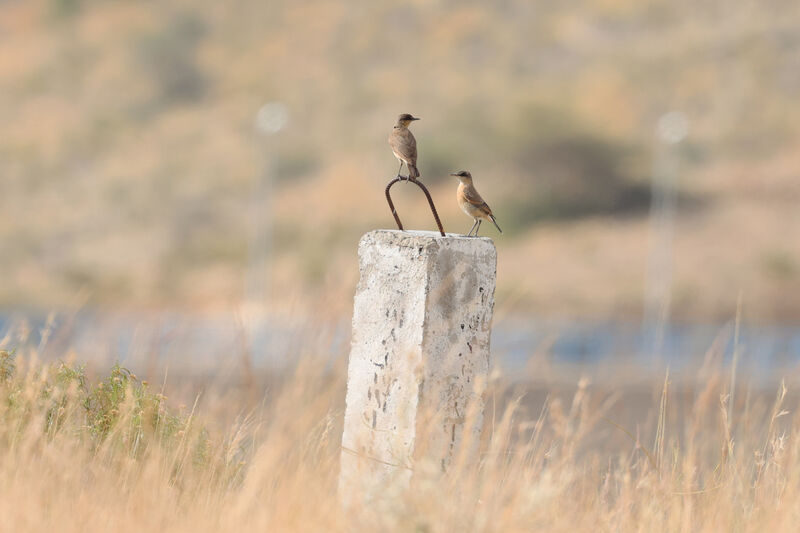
<point>419,356</point>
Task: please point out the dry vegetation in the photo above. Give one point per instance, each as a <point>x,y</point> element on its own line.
<point>129,170</point>
<point>129,159</point>
<point>81,453</point>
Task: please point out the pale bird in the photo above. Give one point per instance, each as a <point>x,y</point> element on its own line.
<point>471,202</point>
<point>404,145</point>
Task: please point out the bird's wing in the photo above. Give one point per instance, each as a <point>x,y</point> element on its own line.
<point>404,144</point>
<point>472,196</point>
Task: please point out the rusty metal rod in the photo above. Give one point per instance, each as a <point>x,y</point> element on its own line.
<point>427,195</point>
<point>391,204</point>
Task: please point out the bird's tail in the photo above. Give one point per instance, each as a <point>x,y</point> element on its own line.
<point>495,223</point>
<point>413,173</point>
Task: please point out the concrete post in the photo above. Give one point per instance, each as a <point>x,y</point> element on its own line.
<point>419,355</point>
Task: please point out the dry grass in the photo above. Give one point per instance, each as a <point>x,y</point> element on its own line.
<point>78,454</point>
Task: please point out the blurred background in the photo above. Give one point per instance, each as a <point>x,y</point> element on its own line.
<point>184,178</point>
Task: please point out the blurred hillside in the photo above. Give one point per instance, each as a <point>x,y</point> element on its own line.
<point>130,162</point>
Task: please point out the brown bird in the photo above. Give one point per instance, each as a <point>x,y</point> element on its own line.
<point>471,202</point>
<point>404,145</point>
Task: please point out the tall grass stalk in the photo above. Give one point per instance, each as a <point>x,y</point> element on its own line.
<point>77,455</point>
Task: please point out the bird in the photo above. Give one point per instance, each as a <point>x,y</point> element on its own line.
<point>404,145</point>
<point>471,202</point>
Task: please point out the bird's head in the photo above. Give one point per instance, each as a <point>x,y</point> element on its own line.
<point>405,119</point>
<point>463,176</point>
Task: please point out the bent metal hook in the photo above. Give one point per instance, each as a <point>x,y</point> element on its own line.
<point>427,195</point>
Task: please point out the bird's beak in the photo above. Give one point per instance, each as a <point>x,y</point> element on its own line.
<point>415,118</point>
<point>454,174</point>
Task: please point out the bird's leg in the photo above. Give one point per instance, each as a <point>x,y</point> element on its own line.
<point>478,228</point>
<point>469,233</point>
<point>399,169</point>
